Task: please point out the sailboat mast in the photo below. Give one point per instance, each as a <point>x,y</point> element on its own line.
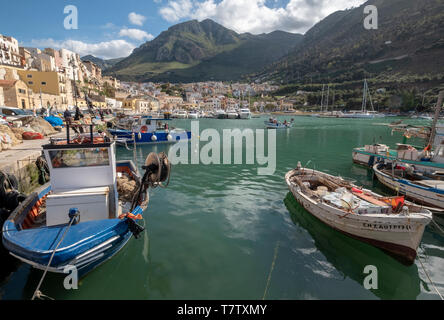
<point>435,119</point>
<point>328,93</point>
<point>364,97</point>
<point>322,97</point>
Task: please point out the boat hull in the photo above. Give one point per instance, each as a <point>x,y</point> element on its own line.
<point>245,116</point>
<point>362,157</point>
<point>420,194</point>
<point>399,236</point>
<point>85,245</point>
<point>126,137</point>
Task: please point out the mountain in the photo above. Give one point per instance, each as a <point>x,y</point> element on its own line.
<point>196,51</point>
<point>103,64</point>
<point>408,41</point>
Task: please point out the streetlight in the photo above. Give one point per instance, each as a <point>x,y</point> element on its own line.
<point>73,65</point>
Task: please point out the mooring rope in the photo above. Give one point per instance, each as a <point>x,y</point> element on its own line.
<point>37,292</point>
<point>422,265</point>
<point>428,277</point>
<point>271,269</point>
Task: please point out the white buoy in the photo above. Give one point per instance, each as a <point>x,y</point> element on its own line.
<point>140,136</point>
<point>169,137</point>
<point>153,137</point>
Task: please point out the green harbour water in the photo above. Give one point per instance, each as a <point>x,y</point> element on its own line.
<point>225,232</point>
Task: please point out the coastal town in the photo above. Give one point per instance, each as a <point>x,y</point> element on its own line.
<point>219,149</point>
<point>32,79</point>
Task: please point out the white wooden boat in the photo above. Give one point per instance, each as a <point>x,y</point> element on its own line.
<point>422,187</point>
<point>389,223</point>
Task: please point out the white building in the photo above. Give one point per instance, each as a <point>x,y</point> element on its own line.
<point>9,51</point>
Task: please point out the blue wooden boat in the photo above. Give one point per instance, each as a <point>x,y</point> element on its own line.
<point>147,130</point>
<point>274,124</point>
<point>85,215</point>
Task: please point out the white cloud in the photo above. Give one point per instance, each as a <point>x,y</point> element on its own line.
<point>106,50</point>
<point>136,19</point>
<point>136,34</point>
<point>254,15</point>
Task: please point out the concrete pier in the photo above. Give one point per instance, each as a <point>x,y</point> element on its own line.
<point>20,160</point>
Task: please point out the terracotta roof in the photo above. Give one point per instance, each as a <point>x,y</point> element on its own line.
<point>7,83</point>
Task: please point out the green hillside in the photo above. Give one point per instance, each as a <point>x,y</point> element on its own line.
<point>197,51</point>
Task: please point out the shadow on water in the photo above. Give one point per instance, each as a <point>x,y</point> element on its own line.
<point>8,265</point>
<point>350,256</point>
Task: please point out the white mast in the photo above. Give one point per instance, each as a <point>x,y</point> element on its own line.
<point>322,97</point>
<point>328,93</point>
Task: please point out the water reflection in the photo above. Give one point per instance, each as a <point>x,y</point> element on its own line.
<point>350,256</point>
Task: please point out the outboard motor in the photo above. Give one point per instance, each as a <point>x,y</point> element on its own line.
<point>157,170</point>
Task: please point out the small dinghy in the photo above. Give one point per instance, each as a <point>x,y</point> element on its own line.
<point>274,124</point>
<point>389,223</point>
<point>88,211</point>
<point>423,187</point>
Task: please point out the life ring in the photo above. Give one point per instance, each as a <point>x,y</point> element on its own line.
<point>144,129</point>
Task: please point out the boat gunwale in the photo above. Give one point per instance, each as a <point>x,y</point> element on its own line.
<point>417,216</point>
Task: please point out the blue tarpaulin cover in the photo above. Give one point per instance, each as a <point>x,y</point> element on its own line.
<point>54,121</point>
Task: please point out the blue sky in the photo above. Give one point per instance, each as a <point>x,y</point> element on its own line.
<point>111,28</point>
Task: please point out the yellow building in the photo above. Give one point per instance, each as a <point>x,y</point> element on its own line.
<point>51,82</point>
<point>15,94</point>
<point>136,105</point>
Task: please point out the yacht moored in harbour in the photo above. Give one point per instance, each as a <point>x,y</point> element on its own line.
<point>244,113</point>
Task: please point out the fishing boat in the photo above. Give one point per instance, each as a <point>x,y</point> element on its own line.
<point>430,157</point>
<point>274,124</point>
<point>423,187</point>
<point>244,113</point>
<point>148,130</point>
<point>88,211</point>
<point>389,223</point>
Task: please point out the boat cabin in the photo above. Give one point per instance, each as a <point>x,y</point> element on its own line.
<point>83,176</point>
<point>146,124</point>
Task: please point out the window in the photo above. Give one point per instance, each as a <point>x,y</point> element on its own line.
<point>23,104</point>
<point>77,158</point>
<point>29,75</point>
<point>43,83</point>
<point>30,82</point>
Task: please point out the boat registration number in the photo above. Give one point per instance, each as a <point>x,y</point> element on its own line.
<point>377,226</point>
